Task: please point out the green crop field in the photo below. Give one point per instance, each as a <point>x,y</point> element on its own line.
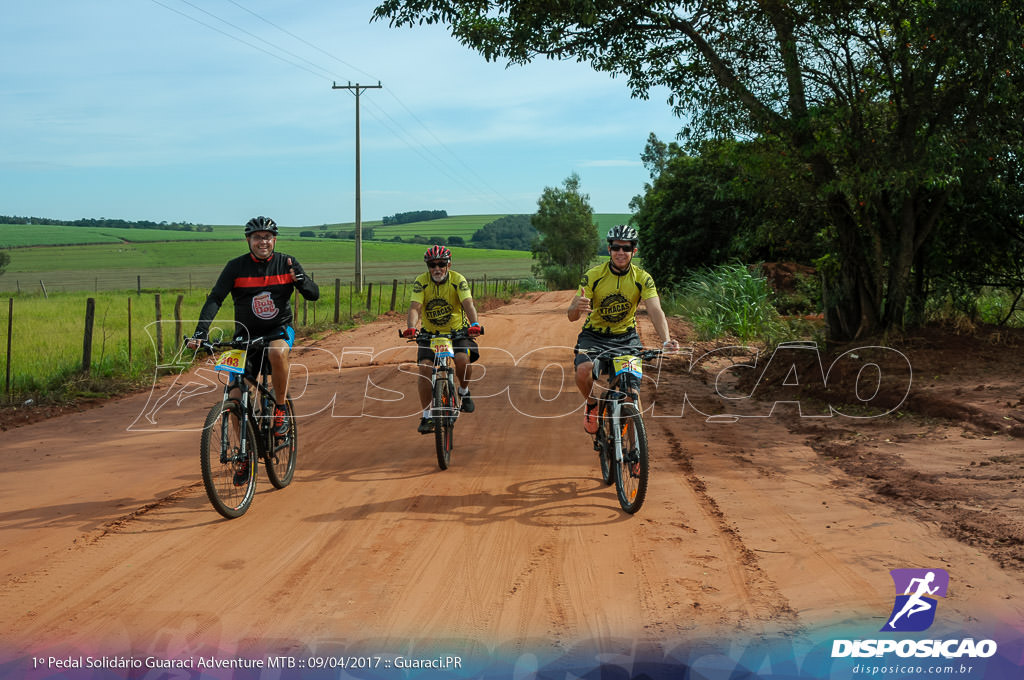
<point>53,269</point>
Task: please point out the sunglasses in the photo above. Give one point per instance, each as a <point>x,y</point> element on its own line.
<point>620,249</point>
<point>268,237</point>
<point>436,265</point>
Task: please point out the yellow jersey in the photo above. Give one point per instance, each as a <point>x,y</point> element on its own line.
<point>614,297</point>
<point>442,302</point>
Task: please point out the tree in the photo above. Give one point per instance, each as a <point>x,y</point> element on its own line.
<point>732,200</point>
<point>5,259</point>
<point>511,232</point>
<point>881,103</point>
<point>568,234</point>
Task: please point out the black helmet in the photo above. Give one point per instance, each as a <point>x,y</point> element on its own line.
<point>623,232</point>
<point>261,223</point>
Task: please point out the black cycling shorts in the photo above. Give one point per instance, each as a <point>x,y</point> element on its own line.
<point>605,345</point>
<point>426,355</point>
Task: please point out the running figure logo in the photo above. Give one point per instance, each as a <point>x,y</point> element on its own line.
<point>914,609</point>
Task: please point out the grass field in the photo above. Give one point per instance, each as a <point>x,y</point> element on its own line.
<point>127,259</point>
<point>48,280</point>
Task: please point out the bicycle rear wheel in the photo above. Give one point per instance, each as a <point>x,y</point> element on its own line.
<point>282,452</point>
<point>228,475</point>
<point>444,420</point>
<point>632,471</point>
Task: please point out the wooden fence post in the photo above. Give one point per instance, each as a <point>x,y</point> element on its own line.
<point>90,314</point>
<point>138,284</point>
<point>369,295</point>
<point>43,286</point>
<point>129,332</point>
<point>159,333</point>
<point>394,293</point>
<point>337,300</point>
<point>10,330</point>
<point>177,322</point>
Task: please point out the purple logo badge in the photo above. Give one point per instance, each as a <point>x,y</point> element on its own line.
<point>916,590</point>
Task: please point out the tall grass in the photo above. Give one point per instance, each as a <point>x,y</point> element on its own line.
<point>728,300</point>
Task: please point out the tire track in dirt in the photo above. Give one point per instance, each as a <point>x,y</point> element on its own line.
<point>762,599</point>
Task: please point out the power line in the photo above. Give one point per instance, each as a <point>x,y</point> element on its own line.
<point>489,194</point>
<point>233,37</point>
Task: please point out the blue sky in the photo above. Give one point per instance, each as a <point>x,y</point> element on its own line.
<point>212,111</point>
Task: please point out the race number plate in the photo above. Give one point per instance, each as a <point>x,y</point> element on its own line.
<point>442,347</point>
<point>628,364</point>
<point>232,361</point>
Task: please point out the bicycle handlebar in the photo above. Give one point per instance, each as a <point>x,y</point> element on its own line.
<point>236,343</point>
<point>423,334</point>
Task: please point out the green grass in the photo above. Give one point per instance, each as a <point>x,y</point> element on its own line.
<point>193,265</point>
<point>48,333</point>
<point>728,300</point>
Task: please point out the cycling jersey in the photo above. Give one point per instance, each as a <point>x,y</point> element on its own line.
<point>442,302</point>
<point>614,298</point>
<point>261,290</point>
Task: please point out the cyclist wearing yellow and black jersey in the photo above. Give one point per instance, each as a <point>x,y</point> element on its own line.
<point>608,295</point>
<point>442,302</point>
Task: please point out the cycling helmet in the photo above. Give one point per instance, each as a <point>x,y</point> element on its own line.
<point>623,232</point>
<point>261,223</point>
<point>437,253</point>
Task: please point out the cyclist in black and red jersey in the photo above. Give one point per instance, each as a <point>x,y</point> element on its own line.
<point>261,283</point>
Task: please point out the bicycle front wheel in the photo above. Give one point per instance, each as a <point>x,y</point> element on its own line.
<point>631,472</point>
<point>444,421</point>
<point>228,475</point>
<point>280,460</point>
<point>604,442</point>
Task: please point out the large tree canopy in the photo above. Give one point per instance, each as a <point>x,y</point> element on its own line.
<point>884,104</point>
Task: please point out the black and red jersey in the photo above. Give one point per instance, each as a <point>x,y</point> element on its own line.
<point>261,290</point>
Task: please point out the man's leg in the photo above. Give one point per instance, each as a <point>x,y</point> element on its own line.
<point>277,354</point>
<point>423,388</point>
<point>464,370</point>
<point>585,384</point>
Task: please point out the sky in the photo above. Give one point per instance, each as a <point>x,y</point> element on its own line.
<point>213,111</point>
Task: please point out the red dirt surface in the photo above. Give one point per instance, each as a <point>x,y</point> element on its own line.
<point>774,515</point>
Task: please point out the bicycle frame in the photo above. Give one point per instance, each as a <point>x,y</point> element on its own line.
<point>239,432</point>
<point>233,362</point>
<point>621,437</point>
<point>446,404</point>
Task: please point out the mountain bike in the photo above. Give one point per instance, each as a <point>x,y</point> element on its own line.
<point>621,438</point>
<point>446,404</point>
<point>239,431</point>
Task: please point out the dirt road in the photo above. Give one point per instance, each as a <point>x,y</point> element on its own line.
<point>754,526</point>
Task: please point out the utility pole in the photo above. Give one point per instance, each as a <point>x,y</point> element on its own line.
<point>357,90</point>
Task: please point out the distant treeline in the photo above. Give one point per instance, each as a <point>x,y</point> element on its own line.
<point>512,232</point>
<point>104,222</point>
<point>415,216</point>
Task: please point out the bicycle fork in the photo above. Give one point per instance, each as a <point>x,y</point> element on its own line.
<point>243,440</point>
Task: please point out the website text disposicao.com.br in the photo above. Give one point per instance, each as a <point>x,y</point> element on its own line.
<point>959,657</point>
<point>911,670</point>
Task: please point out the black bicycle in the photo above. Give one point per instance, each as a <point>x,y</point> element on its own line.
<point>621,438</point>
<point>446,404</point>
<point>239,431</point>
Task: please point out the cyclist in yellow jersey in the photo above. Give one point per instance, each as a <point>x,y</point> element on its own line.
<point>608,295</point>
<point>442,302</point>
